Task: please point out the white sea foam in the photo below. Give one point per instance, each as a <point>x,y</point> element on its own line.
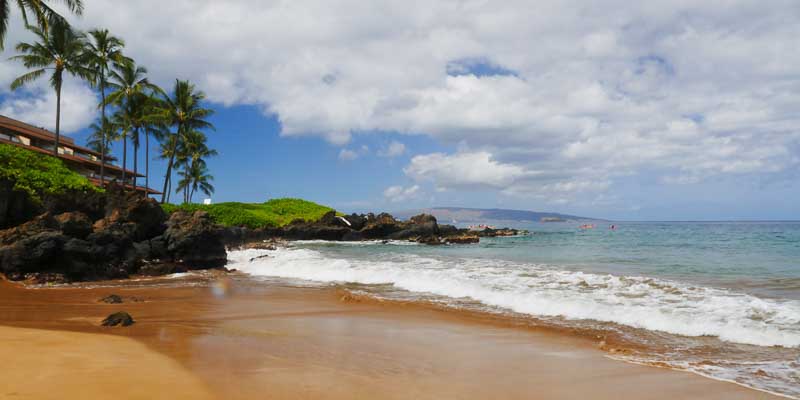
<point>537,290</point>
<point>357,243</point>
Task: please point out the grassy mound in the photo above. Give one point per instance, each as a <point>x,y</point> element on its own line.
<point>39,174</point>
<point>273,213</point>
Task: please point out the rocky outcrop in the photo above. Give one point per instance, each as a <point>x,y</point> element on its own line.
<point>463,239</point>
<point>131,235</point>
<point>490,232</point>
<point>422,228</point>
<point>191,239</point>
<point>118,318</point>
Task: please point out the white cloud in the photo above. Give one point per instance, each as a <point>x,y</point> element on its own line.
<point>397,194</point>
<point>394,149</point>
<point>613,88</point>
<point>347,155</point>
<point>463,170</point>
<point>38,107</point>
<point>353,154</point>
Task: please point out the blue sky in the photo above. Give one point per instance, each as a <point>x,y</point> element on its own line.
<point>665,110</point>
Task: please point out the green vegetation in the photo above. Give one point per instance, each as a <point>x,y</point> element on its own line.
<point>39,174</point>
<point>273,213</point>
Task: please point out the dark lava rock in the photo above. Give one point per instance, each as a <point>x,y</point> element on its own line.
<point>112,299</point>
<point>75,224</point>
<point>37,253</point>
<point>463,239</point>
<point>430,240</point>
<point>90,203</point>
<point>356,221</point>
<point>140,218</point>
<point>16,206</point>
<point>159,269</point>
<point>259,257</point>
<point>45,278</point>
<point>422,219</point>
<point>194,240</point>
<point>118,318</point>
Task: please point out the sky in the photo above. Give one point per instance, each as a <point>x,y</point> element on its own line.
<point>658,110</point>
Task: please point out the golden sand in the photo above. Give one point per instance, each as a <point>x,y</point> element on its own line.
<point>259,341</point>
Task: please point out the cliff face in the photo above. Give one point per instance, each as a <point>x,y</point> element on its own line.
<point>16,206</point>
<point>88,236</point>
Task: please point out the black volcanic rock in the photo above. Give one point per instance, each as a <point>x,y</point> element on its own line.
<point>194,240</point>
<point>112,299</point>
<point>16,207</point>
<point>76,224</point>
<point>118,318</point>
<point>132,234</point>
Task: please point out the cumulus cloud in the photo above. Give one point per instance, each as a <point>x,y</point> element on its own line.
<point>393,149</point>
<point>353,154</point>
<point>38,106</point>
<point>397,194</point>
<point>676,88</point>
<point>347,155</point>
<point>463,170</point>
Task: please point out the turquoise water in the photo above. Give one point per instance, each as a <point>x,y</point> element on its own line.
<point>759,257</point>
<point>721,299</point>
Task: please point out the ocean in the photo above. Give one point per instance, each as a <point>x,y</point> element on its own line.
<point>721,299</point>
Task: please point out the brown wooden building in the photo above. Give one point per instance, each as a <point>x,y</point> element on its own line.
<point>78,158</point>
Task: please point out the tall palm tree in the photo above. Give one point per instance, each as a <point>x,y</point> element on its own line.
<point>120,122</point>
<point>131,91</point>
<point>59,49</point>
<point>100,138</point>
<point>102,51</point>
<point>166,150</point>
<point>191,156</point>
<point>195,178</point>
<point>152,126</point>
<point>182,110</point>
<point>40,10</point>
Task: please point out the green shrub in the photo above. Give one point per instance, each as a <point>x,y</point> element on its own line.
<point>273,213</point>
<point>39,174</point>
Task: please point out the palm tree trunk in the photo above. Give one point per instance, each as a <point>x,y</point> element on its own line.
<point>58,113</point>
<point>169,191</point>
<point>124,158</point>
<point>146,164</point>
<point>168,176</point>
<point>135,156</point>
<point>104,133</point>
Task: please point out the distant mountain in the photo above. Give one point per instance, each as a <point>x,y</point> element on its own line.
<point>471,215</point>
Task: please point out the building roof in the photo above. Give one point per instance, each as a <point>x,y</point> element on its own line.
<point>44,134</point>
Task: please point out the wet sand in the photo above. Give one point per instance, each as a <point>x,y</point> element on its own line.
<point>267,341</point>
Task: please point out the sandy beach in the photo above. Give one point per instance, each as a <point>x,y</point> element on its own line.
<point>211,336</point>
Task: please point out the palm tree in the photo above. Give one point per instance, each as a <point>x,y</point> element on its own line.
<point>100,138</point>
<point>40,10</point>
<point>184,112</point>
<point>191,154</point>
<point>151,125</point>
<point>131,93</point>
<point>103,51</point>
<point>167,150</point>
<point>120,122</point>
<point>195,178</point>
<point>59,49</point>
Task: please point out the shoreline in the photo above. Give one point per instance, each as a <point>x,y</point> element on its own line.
<point>247,339</point>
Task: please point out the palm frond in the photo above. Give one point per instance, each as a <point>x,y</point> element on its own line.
<point>26,78</point>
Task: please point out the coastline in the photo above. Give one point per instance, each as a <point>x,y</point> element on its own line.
<point>234,337</point>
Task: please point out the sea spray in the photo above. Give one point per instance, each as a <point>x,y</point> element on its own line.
<point>537,290</point>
